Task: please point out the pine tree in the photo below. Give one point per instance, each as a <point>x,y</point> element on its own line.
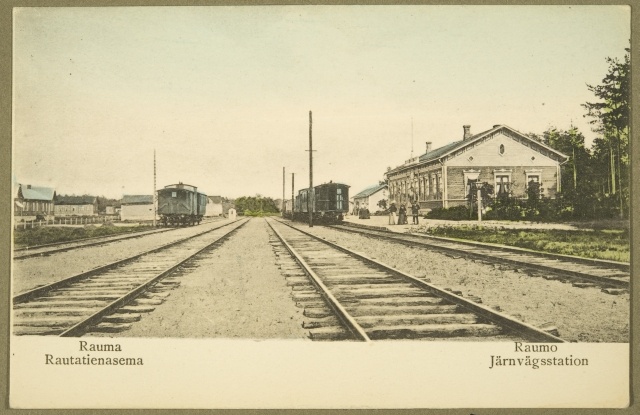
<point>610,118</point>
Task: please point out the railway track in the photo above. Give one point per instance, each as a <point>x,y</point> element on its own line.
<point>52,248</point>
<point>581,272</point>
<point>348,296</point>
<point>110,298</point>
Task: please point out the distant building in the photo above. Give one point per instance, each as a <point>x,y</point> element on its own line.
<point>31,200</point>
<point>137,207</point>
<point>214,206</point>
<point>370,197</point>
<point>501,156</point>
<point>76,205</point>
<point>226,206</point>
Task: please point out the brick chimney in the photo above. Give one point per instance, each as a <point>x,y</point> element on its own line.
<point>428,146</point>
<point>467,132</point>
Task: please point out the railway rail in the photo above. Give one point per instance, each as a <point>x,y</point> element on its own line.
<point>52,248</point>
<point>607,274</point>
<point>350,296</point>
<point>111,297</point>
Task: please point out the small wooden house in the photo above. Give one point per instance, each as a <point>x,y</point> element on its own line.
<point>76,205</point>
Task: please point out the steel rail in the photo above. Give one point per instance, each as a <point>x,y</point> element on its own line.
<point>413,239</point>
<point>526,330</point>
<point>343,315</point>
<point>81,327</point>
<point>103,240</point>
<point>38,291</point>
<point>623,266</point>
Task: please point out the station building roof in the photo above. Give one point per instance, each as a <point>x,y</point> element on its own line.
<point>452,147</point>
<point>370,190</point>
<point>137,199</point>
<point>216,199</point>
<point>75,200</point>
<point>29,192</point>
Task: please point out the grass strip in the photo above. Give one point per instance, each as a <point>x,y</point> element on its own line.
<point>52,234</point>
<point>608,244</point>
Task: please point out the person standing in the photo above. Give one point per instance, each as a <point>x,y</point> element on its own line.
<point>392,214</point>
<point>402,215</point>
<point>415,211</point>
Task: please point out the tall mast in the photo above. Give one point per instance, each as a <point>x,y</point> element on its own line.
<point>155,202</point>
<point>309,202</point>
<point>293,201</point>
<point>411,137</point>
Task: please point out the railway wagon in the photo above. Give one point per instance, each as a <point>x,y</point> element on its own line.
<point>328,202</point>
<point>181,204</point>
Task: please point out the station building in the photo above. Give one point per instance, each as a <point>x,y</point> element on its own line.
<point>501,156</point>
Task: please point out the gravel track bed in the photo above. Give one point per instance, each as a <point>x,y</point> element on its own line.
<point>32,272</point>
<point>233,291</point>
<point>580,314</point>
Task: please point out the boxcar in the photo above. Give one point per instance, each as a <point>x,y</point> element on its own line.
<point>181,204</point>
<point>328,203</point>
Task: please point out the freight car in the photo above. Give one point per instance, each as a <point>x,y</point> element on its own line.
<point>328,203</point>
<point>181,204</point>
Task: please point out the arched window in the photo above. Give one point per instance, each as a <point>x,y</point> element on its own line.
<point>501,148</point>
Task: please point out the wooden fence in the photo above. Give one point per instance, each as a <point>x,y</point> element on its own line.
<point>71,220</point>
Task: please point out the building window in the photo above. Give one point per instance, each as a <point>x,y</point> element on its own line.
<point>501,148</point>
<point>533,176</point>
<point>174,194</point>
<point>502,184</point>
<point>339,199</point>
<point>470,178</point>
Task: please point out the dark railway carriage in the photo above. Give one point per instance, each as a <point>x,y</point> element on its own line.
<point>328,202</point>
<point>181,204</point>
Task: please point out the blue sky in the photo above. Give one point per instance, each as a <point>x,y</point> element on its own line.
<point>223,93</point>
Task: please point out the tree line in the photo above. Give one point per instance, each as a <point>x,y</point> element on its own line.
<point>256,205</point>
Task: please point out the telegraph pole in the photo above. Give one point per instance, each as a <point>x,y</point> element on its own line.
<point>282,212</point>
<point>155,202</point>
<point>309,202</point>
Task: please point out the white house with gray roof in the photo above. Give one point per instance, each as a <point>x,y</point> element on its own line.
<point>500,156</point>
<point>369,197</point>
<point>137,207</point>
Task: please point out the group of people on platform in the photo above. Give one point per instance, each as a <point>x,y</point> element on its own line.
<point>396,216</point>
<point>402,214</point>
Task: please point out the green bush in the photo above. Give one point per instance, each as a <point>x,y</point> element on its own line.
<point>454,213</point>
